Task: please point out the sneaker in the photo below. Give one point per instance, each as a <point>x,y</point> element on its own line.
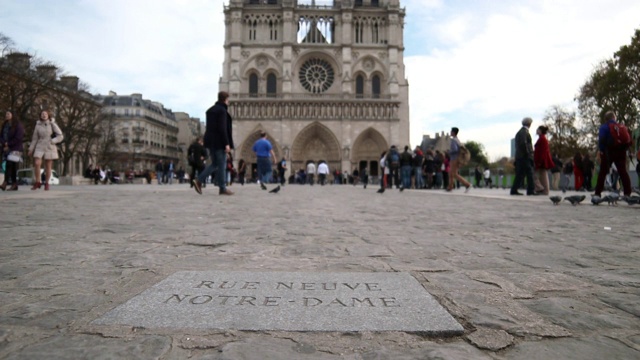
<point>226,192</point>
<point>516,193</point>
<point>198,186</point>
<point>466,189</point>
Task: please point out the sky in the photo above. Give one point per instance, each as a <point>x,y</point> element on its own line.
<point>479,65</point>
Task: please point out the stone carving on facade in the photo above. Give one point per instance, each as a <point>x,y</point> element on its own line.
<point>368,64</point>
<point>278,54</point>
<point>245,54</point>
<point>262,62</point>
<point>355,55</point>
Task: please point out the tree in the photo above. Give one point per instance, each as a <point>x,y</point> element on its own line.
<point>565,139</point>
<point>478,155</point>
<point>613,85</point>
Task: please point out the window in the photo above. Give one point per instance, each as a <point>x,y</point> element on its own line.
<point>253,85</point>
<point>316,30</point>
<point>253,27</point>
<point>358,3</point>
<point>359,86</point>
<point>273,31</point>
<point>272,86</point>
<point>359,29</point>
<point>375,86</point>
<point>375,3</point>
<point>126,112</point>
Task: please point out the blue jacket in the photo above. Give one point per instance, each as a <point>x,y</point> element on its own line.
<point>604,135</point>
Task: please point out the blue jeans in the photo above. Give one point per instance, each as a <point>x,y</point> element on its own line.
<point>159,177</point>
<point>264,170</point>
<point>417,172</point>
<point>405,172</point>
<point>219,165</point>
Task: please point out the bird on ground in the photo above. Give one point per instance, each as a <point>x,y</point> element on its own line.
<point>632,200</point>
<point>555,199</point>
<point>262,186</point>
<point>380,191</point>
<point>596,200</point>
<point>575,199</point>
<point>401,188</point>
<point>275,191</point>
<point>612,198</point>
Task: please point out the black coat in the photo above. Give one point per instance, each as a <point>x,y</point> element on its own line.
<point>196,153</point>
<point>218,133</point>
<point>524,147</point>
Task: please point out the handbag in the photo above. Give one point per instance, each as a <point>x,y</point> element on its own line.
<point>15,156</point>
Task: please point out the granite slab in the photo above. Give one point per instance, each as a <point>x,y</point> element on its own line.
<point>286,301</point>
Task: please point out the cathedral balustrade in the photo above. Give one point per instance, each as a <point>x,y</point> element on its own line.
<point>381,110</point>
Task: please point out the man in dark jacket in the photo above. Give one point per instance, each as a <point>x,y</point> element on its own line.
<point>610,154</point>
<point>159,171</point>
<point>219,140</point>
<point>524,159</point>
<point>196,155</point>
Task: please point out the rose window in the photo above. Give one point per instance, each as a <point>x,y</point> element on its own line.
<point>316,75</point>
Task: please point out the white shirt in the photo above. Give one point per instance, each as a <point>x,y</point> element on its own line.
<point>311,169</point>
<point>323,169</point>
<point>487,174</point>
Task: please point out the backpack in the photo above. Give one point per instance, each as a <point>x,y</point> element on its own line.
<point>620,137</point>
<point>395,159</point>
<point>464,156</point>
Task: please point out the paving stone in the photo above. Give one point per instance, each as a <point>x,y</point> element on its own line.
<point>490,339</point>
<point>286,301</point>
<point>570,348</point>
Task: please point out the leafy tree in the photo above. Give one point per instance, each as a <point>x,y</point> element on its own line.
<point>613,85</point>
<point>565,139</point>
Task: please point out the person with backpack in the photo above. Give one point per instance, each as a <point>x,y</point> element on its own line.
<point>393,163</point>
<point>613,142</point>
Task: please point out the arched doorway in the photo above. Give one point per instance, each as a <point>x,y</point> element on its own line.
<point>315,142</point>
<point>366,151</point>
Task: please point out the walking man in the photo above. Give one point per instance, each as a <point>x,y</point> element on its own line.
<point>219,140</point>
<point>196,155</point>
<point>264,151</point>
<point>524,159</point>
<point>610,153</point>
<point>311,171</point>
<point>159,170</point>
<point>323,171</point>
<point>455,164</point>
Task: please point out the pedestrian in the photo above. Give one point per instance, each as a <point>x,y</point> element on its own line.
<point>567,171</point>
<point>446,167</point>
<point>406,160</point>
<point>587,171</point>
<point>11,139</point>
<point>323,171</point>
<point>578,176</point>
<point>46,135</point>
<point>456,161</point>
<point>438,170</point>
<point>264,152</point>
<point>159,171</point>
<point>478,176</point>
<point>612,153</point>
<point>311,172</point>
<point>417,162</point>
<point>282,169</point>
<point>555,172</point>
<point>218,138</point>
<point>242,171</point>
<point>196,154</point>
<point>384,171</point>
<point>542,161</point>
<point>487,178</point>
<point>393,163</point>
<point>231,171</point>
<point>169,173</point>
<point>364,177</point>
<point>524,159</point>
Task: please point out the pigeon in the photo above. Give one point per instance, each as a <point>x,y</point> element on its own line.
<point>575,199</point>
<point>612,198</point>
<point>401,188</point>
<point>555,199</point>
<point>262,186</point>
<point>275,190</point>
<point>380,191</point>
<point>632,200</point>
<point>596,200</point>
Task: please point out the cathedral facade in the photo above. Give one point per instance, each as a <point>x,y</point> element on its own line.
<point>324,79</point>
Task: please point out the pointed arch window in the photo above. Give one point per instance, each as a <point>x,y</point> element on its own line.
<point>359,86</point>
<point>375,86</point>
<point>253,85</point>
<point>272,85</point>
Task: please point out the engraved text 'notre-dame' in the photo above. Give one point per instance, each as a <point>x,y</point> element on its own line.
<point>313,294</point>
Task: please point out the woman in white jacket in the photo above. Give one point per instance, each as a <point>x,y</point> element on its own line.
<point>46,135</point>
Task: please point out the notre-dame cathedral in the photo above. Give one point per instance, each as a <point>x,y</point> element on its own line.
<point>324,79</point>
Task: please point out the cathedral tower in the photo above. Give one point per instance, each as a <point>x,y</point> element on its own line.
<point>324,79</point>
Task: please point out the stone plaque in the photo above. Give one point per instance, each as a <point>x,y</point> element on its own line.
<point>286,301</point>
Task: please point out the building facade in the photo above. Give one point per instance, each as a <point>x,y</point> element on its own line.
<point>324,79</point>
<point>145,132</point>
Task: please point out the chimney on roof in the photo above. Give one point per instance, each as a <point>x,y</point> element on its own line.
<point>70,82</point>
<point>47,72</point>
<point>18,60</point>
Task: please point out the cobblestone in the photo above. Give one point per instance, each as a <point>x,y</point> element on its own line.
<point>550,280</point>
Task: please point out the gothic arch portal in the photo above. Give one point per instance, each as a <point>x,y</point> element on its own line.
<point>246,150</point>
<point>314,143</point>
<point>367,149</point>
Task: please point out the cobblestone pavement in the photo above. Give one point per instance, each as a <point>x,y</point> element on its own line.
<point>527,280</point>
